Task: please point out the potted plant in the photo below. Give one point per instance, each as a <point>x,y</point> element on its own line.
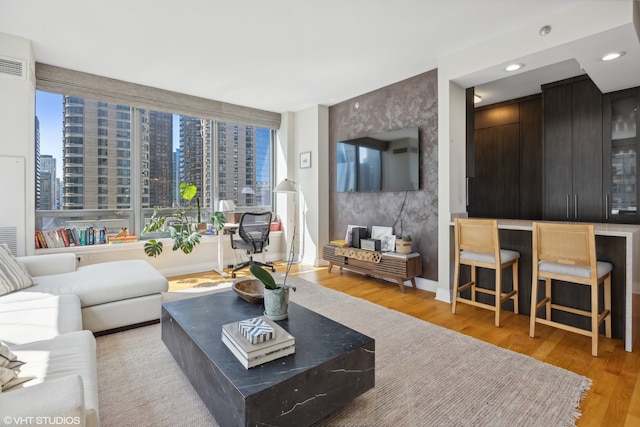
<point>403,244</point>
<point>180,231</point>
<point>276,296</point>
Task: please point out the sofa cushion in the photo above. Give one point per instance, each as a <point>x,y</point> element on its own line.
<point>105,282</point>
<point>13,275</point>
<point>42,317</point>
<point>65,355</point>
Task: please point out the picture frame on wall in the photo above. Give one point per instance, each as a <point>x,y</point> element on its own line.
<point>305,160</point>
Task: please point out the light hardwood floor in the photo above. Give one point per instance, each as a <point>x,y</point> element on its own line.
<point>614,397</point>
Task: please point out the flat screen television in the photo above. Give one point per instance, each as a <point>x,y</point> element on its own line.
<point>388,161</point>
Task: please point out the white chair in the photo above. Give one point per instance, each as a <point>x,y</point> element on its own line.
<point>567,252</point>
<point>477,244</point>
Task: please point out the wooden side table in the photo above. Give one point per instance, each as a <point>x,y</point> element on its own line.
<point>394,266</point>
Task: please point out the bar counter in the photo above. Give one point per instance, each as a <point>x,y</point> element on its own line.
<point>618,244</point>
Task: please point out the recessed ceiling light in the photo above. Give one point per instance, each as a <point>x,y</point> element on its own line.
<point>513,67</point>
<point>476,99</point>
<point>611,56</point>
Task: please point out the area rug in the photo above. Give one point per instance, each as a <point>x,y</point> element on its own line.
<point>426,375</point>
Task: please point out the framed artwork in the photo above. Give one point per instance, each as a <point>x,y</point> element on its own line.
<point>388,243</point>
<point>305,160</point>
<point>386,237</point>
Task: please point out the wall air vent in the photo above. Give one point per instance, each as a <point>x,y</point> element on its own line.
<point>12,67</point>
<point>9,235</point>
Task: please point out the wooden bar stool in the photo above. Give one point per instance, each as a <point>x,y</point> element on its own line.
<point>567,252</point>
<point>477,245</point>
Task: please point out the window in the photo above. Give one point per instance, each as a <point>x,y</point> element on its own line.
<point>151,150</point>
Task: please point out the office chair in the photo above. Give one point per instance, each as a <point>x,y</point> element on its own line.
<point>253,231</point>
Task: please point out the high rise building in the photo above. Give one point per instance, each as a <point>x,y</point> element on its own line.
<point>48,195</point>
<point>97,155</point>
<point>195,159</point>
<point>237,152</point>
<point>37,165</point>
<point>160,161</point>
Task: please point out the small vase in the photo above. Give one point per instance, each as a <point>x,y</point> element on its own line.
<point>403,247</point>
<point>276,303</point>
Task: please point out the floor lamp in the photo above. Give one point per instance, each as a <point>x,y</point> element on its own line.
<point>288,186</point>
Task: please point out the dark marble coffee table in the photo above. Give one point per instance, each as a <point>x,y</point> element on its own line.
<point>332,364</point>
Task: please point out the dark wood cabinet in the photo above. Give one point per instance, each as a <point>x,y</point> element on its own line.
<point>620,117</point>
<point>507,143</point>
<point>573,153</point>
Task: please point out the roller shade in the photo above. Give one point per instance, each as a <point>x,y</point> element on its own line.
<point>75,83</point>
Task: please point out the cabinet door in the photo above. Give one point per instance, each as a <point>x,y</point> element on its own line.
<point>531,159</point>
<point>588,200</point>
<point>497,167</point>
<point>557,159</point>
<point>620,122</point>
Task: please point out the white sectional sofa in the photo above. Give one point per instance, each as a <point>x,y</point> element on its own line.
<point>49,327</point>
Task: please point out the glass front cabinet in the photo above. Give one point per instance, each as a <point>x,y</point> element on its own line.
<point>620,136</point>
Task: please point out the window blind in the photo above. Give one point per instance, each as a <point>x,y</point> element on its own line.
<point>75,83</point>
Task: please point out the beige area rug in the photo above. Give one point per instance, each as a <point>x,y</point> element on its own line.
<point>425,375</point>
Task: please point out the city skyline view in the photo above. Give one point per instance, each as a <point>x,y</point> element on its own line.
<point>98,147</point>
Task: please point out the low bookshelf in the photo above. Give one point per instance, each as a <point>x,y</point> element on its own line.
<point>391,265</point>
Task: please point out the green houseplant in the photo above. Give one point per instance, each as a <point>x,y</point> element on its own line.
<point>180,231</point>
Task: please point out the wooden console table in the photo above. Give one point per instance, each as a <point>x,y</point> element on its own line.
<point>393,266</point>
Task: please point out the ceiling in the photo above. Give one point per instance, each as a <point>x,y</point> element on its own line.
<point>288,55</point>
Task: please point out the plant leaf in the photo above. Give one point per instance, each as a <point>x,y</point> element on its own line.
<point>188,191</point>
<point>153,248</point>
<point>264,276</point>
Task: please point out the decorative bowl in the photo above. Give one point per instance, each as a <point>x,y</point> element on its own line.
<point>250,290</point>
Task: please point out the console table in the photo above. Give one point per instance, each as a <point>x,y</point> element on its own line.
<point>392,265</point>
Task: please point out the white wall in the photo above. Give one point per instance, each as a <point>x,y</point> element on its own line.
<point>311,135</point>
<point>17,130</point>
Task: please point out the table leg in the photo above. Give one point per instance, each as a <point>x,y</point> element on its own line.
<point>401,284</point>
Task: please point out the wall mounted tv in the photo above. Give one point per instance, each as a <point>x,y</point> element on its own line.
<point>388,161</point>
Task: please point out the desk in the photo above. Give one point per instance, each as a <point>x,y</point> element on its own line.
<point>618,244</point>
<point>227,227</point>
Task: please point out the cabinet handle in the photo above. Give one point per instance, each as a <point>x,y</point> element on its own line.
<point>567,206</point>
<point>606,207</point>
<point>575,206</point>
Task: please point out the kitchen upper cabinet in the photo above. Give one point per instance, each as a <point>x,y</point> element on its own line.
<point>573,151</point>
<point>506,175</point>
<point>620,137</point>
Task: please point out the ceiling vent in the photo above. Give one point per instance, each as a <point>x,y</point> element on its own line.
<point>12,67</point>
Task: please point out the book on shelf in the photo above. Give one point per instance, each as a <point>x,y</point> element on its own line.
<point>113,240</point>
<point>250,355</point>
<point>64,237</point>
<point>338,243</point>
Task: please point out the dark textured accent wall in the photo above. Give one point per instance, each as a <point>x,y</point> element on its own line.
<point>409,103</point>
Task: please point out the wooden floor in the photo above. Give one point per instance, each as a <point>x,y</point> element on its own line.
<point>614,397</point>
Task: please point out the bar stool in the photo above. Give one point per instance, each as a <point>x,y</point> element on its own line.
<point>477,245</point>
<point>567,252</point>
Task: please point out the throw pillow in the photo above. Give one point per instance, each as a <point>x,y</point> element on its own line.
<point>13,275</point>
<point>9,379</point>
<point>9,369</point>
<point>7,358</point>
